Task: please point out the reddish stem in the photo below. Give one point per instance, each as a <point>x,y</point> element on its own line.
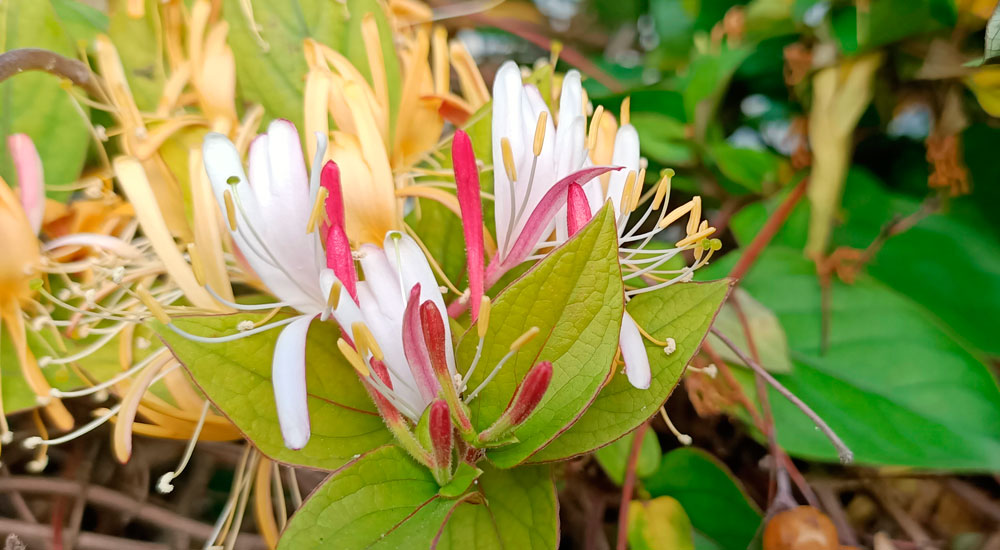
<point>766,233</point>
<point>629,487</point>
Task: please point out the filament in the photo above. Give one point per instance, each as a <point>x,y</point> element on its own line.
<point>231,337</point>
<point>164,484</point>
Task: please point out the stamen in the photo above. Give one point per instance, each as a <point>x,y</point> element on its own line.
<point>695,218</point>
<point>164,484</point>
<point>508,159</point>
<point>483,323</point>
<point>196,266</point>
<point>627,191</point>
<point>370,342</point>
<point>35,441</point>
<point>684,439</point>
<point>624,116</point>
<point>242,307</point>
<point>663,188</point>
<point>691,239</point>
<point>152,305</point>
<point>524,338</point>
<point>354,358</point>
<point>676,214</point>
<point>637,192</point>
<point>333,298</point>
<point>318,210</point>
<point>595,124</point>
<point>266,318</point>
<point>710,371</point>
<point>650,337</point>
<point>111,381</point>
<point>540,133</point>
<point>231,337</point>
<point>94,346</point>
<point>227,195</point>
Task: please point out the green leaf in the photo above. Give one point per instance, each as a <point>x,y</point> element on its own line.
<point>992,48</point>
<point>682,311</point>
<point>383,500</point>
<point>614,458</point>
<point>518,511</point>
<point>708,491</point>
<point>271,69</point>
<point>35,103</point>
<point>768,334</point>
<point>574,296</point>
<point>139,48</point>
<point>464,475</point>
<point>236,376</point>
<point>664,138</point>
<point>747,167</point>
<point>659,524</point>
<point>81,21</point>
<point>895,385</point>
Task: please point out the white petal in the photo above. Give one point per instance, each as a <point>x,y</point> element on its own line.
<point>381,278</point>
<point>634,353</point>
<point>388,332</point>
<point>413,269</point>
<point>507,89</point>
<point>288,374</point>
<point>259,167</point>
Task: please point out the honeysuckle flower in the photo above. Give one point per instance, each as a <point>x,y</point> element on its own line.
<point>542,159</point>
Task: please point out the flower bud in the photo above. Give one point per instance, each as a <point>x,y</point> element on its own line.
<point>440,429</point>
<point>526,399</point>
<point>577,208</point>
<point>435,342</point>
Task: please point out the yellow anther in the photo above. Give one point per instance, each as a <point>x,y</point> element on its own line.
<point>333,298</point>
<point>676,214</point>
<point>508,159</point>
<point>695,218</point>
<point>626,199</point>
<point>693,238</point>
<point>595,124</point>
<point>360,338</point>
<point>369,338</point>
<point>543,117</point>
<point>625,114</point>
<point>524,338</point>
<point>637,192</point>
<point>663,188</point>
<point>152,305</point>
<point>230,209</point>
<point>703,226</point>
<point>353,358</point>
<point>483,322</point>
<point>318,209</point>
<point>196,265</point>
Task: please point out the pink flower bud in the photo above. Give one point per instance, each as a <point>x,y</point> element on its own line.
<point>467,181</point>
<point>329,178</point>
<point>530,393</point>
<point>440,428</point>
<point>577,209</point>
<point>434,338</point>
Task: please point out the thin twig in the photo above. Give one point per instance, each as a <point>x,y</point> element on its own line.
<point>23,511</point>
<point>36,59</point>
<point>628,488</point>
<point>845,453</point>
<point>42,534</point>
<point>831,503</point>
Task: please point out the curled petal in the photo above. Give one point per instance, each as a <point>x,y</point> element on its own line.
<point>340,259</point>
<point>415,348</point>
<point>288,375</point>
<point>30,178</point>
<point>577,209</point>
<point>467,181</point>
<point>634,353</point>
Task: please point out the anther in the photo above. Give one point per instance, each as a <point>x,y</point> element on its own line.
<point>663,188</point>
<point>37,465</point>
<point>695,218</point>
<point>227,195</point>
<point>684,439</point>
<point>540,132</point>
<point>508,159</point>
<point>318,209</point>
<point>710,371</point>
<point>676,214</point>
<point>154,307</point>
<point>333,298</point>
<point>637,192</point>
<point>693,238</point>
<point>624,116</point>
<point>626,199</point>
<point>670,347</point>
<point>6,438</point>
<point>483,322</point>
<point>524,338</point>
<point>353,358</point>
<point>244,325</point>
<point>595,124</point>
<point>31,442</point>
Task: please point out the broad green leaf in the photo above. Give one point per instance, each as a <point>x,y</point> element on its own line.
<point>35,103</point>
<point>768,335</point>
<point>137,43</point>
<point>682,311</point>
<point>81,21</point>
<point>464,475</point>
<point>614,458</point>
<point>271,67</point>
<point>708,491</point>
<point>659,524</point>
<point>519,511</point>
<point>383,500</point>
<point>574,296</point>
<point>664,139</point>
<point>896,386</point>
<point>747,167</point>
<point>236,376</point>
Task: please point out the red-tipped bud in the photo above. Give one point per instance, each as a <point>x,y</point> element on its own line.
<point>385,407</point>
<point>340,259</point>
<point>440,428</point>
<point>434,337</point>
<point>329,178</point>
<point>526,399</point>
<point>530,393</point>
<point>577,208</point>
<point>416,350</point>
<point>467,182</point>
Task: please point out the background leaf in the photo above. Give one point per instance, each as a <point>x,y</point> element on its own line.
<point>614,458</point>
<point>659,524</point>
<point>236,376</point>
